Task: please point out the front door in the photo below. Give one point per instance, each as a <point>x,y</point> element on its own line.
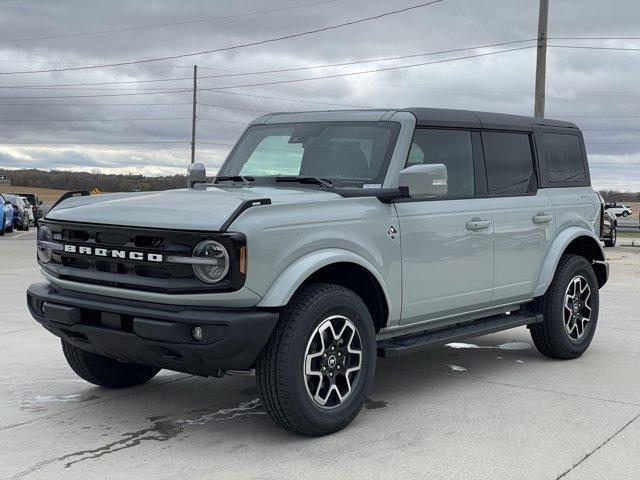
<point>447,243</point>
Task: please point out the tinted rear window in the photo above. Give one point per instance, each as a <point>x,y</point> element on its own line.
<point>564,158</point>
<point>509,163</point>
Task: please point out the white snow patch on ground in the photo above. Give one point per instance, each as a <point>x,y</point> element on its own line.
<point>457,368</point>
<point>502,346</point>
<point>514,346</point>
<point>463,345</point>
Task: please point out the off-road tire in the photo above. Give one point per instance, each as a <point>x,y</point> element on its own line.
<point>611,241</point>
<point>280,367</point>
<point>104,371</point>
<point>550,337</point>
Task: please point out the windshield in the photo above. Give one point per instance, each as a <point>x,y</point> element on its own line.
<point>348,153</point>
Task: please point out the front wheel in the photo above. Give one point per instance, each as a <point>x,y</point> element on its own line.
<point>570,310</point>
<point>611,241</point>
<point>104,371</point>
<point>625,214</point>
<point>314,374</point>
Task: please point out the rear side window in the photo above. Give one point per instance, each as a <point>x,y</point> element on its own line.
<point>564,158</point>
<point>451,148</point>
<point>509,163</point>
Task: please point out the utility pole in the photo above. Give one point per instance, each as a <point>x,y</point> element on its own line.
<point>193,115</point>
<point>541,61</point>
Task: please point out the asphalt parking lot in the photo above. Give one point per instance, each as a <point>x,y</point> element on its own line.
<point>490,408</point>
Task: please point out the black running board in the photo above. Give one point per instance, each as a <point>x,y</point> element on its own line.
<point>398,346</point>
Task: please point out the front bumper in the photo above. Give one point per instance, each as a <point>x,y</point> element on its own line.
<point>154,334</point>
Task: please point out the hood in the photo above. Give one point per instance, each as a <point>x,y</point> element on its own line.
<point>185,209</point>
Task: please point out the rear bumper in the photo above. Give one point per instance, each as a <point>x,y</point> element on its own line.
<point>154,334</point>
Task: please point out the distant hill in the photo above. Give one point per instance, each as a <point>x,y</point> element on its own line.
<point>67,180</point>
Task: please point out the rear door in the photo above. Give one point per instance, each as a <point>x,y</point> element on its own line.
<point>447,242</point>
<point>523,214</point>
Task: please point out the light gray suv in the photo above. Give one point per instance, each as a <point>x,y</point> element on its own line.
<point>328,239</point>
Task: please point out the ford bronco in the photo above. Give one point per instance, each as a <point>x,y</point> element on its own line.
<point>328,239</point>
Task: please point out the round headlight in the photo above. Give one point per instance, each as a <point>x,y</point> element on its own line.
<point>44,236</point>
<point>211,261</point>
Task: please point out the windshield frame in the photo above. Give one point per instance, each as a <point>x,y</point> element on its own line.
<point>378,180</point>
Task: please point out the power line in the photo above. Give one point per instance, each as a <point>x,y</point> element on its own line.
<point>100,95</point>
<point>262,72</point>
<point>162,25</point>
<point>231,108</point>
<point>221,121</point>
<point>46,120</point>
<point>385,69</point>
<point>233,47</point>
<point>285,99</point>
<point>95,104</point>
<point>590,47</point>
<point>594,38</point>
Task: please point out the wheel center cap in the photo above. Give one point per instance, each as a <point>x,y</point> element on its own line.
<point>332,361</point>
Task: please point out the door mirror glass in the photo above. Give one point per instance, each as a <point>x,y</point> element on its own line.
<point>424,181</point>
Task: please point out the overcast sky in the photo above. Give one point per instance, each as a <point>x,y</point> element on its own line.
<point>597,89</point>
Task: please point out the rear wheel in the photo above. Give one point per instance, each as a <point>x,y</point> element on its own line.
<point>104,371</point>
<point>25,223</point>
<point>570,309</point>
<point>611,241</point>
<point>314,374</point>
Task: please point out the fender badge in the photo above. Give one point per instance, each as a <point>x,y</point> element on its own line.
<point>392,232</point>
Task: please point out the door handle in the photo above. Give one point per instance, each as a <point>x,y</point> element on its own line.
<point>542,218</point>
<point>478,224</point>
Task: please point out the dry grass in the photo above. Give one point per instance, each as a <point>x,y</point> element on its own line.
<point>47,195</point>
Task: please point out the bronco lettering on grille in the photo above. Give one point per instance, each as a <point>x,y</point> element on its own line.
<point>111,253</point>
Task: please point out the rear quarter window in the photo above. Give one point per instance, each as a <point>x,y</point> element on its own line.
<point>563,156</point>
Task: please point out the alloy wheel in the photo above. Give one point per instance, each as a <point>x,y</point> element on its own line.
<point>332,362</point>
<point>577,308</point>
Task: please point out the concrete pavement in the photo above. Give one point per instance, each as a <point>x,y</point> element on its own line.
<point>493,408</point>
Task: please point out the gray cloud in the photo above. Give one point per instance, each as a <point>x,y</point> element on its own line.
<point>587,83</point>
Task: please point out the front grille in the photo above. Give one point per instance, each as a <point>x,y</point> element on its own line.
<point>137,274</point>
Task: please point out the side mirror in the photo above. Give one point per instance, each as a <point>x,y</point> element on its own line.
<point>196,173</point>
<point>424,181</point>
<point>39,202</point>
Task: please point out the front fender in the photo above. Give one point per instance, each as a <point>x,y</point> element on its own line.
<point>555,251</point>
<point>295,274</point>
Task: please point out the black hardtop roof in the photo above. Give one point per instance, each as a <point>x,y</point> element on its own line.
<point>471,119</point>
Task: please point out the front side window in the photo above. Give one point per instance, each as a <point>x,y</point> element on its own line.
<point>451,148</point>
<point>509,162</point>
<point>564,158</point>
<point>351,153</point>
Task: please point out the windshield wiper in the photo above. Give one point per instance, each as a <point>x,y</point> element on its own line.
<point>234,178</point>
<point>316,180</point>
